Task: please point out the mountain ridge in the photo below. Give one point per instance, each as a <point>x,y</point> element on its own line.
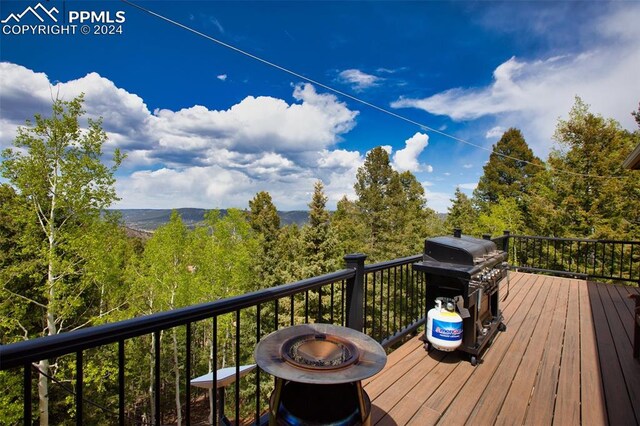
<point>149,220</point>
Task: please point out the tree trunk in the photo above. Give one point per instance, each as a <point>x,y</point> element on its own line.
<point>43,392</point>
<point>43,381</point>
<point>213,390</point>
<point>151,380</point>
<point>176,370</point>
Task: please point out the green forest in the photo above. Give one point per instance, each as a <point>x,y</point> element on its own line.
<point>66,264</point>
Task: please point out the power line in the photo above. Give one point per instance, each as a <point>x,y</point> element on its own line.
<point>356,99</point>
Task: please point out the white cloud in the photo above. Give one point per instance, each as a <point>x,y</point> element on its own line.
<point>468,186</point>
<point>358,79</point>
<point>532,93</point>
<point>200,157</point>
<point>438,201</point>
<point>495,132</point>
<point>467,166</point>
<point>217,24</point>
<point>407,158</point>
<point>222,77</point>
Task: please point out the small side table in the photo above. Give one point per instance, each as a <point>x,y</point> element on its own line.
<point>224,377</point>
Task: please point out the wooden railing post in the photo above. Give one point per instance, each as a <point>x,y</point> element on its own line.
<point>355,291</point>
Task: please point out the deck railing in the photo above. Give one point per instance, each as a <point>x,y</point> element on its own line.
<point>611,260</point>
<point>384,300</point>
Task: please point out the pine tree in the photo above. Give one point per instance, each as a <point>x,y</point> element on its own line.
<point>461,214</point>
<point>319,243</point>
<point>264,220</point>
<point>590,202</point>
<point>348,228</point>
<point>372,188</point>
<point>509,171</point>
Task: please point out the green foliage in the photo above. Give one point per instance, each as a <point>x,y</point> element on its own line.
<point>461,214</point>
<point>61,186</point>
<point>348,227</point>
<point>508,172</point>
<point>53,235</point>
<point>264,220</point>
<point>587,200</point>
<point>319,256</point>
<point>391,206</point>
<point>501,216</point>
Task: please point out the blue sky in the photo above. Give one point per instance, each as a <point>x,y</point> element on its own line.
<point>206,126</point>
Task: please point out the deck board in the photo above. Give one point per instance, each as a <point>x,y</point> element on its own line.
<point>514,406</point>
<point>567,409</point>
<point>565,359</point>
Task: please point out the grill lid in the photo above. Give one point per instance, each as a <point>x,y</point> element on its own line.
<point>462,250</point>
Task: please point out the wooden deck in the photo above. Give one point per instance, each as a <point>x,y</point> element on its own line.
<point>566,358</point>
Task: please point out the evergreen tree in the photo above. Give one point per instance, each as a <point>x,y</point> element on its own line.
<point>461,214</point>
<point>590,202</point>
<point>372,188</point>
<point>264,220</point>
<point>348,228</point>
<point>504,176</point>
<point>319,244</point>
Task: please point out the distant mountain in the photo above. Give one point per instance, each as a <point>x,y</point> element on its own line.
<point>151,219</point>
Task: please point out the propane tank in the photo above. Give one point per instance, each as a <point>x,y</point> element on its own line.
<point>444,326</point>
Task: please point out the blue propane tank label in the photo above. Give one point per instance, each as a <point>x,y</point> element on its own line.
<point>450,331</point>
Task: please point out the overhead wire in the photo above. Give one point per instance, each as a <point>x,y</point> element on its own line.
<point>359,100</point>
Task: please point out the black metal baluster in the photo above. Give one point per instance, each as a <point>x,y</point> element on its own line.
<point>121,393</point>
<point>332,300</point>
<point>540,253</point>
<point>388,299</point>
<point>214,345</point>
<point>613,257</point>
<point>187,413</point>
<point>306,307</point>
<point>156,386</point>
<point>403,279</point>
<point>292,309</point>
<point>631,261</point>
<point>366,303</point>
<point>257,415</point>
<point>27,401</point>
<point>238,366</point>
<point>343,302</point>
<point>411,296</point>
<point>586,258</point>
<point>548,247</point>
<point>570,256</point>
<point>276,308</point>
<point>79,384</point>
<point>604,257</point>
<point>373,307</point>
<point>320,319</point>
<point>621,259</point>
<point>395,296</point>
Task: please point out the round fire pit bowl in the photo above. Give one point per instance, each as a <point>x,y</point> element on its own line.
<point>320,354</point>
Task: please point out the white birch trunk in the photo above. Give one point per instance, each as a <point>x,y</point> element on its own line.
<point>176,366</point>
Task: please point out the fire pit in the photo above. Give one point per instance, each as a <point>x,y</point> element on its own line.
<point>318,370</point>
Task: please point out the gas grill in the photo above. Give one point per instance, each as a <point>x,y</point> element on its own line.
<point>468,271</point>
